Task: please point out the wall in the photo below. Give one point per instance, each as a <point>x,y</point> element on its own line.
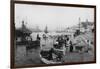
<point>5,33</point>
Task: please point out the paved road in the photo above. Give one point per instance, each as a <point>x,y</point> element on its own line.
<point>32,57</point>
<point>27,58</point>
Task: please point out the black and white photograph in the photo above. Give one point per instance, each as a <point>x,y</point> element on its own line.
<point>47,34</point>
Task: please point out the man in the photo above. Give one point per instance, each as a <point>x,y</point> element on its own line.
<point>71,46</point>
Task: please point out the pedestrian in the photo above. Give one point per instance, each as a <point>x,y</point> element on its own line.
<point>71,46</point>
<point>38,37</point>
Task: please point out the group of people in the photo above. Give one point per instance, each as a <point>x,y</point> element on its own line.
<point>64,41</point>
<point>60,41</point>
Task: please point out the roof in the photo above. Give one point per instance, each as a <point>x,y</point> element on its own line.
<point>81,40</point>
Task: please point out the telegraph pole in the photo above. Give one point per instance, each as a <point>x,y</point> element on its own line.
<point>79,24</point>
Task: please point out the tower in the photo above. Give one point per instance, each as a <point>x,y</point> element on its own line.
<point>46,30</point>
<point>79,23</point>
<point>23,25</point>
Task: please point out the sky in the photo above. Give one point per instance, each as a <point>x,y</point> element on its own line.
<point>54,17</point>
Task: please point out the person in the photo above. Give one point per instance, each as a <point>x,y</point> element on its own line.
<point>67,44</point>
<point>89,46</point>
<point>59,56</point>
<point>51,51</point>
<point>71,46</point>
<point>38,38</point>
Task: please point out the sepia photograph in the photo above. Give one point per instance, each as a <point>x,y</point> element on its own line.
<point>50,34</point>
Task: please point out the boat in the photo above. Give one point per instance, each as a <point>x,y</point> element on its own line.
<point>52,56</point>
<point>46,61</point>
